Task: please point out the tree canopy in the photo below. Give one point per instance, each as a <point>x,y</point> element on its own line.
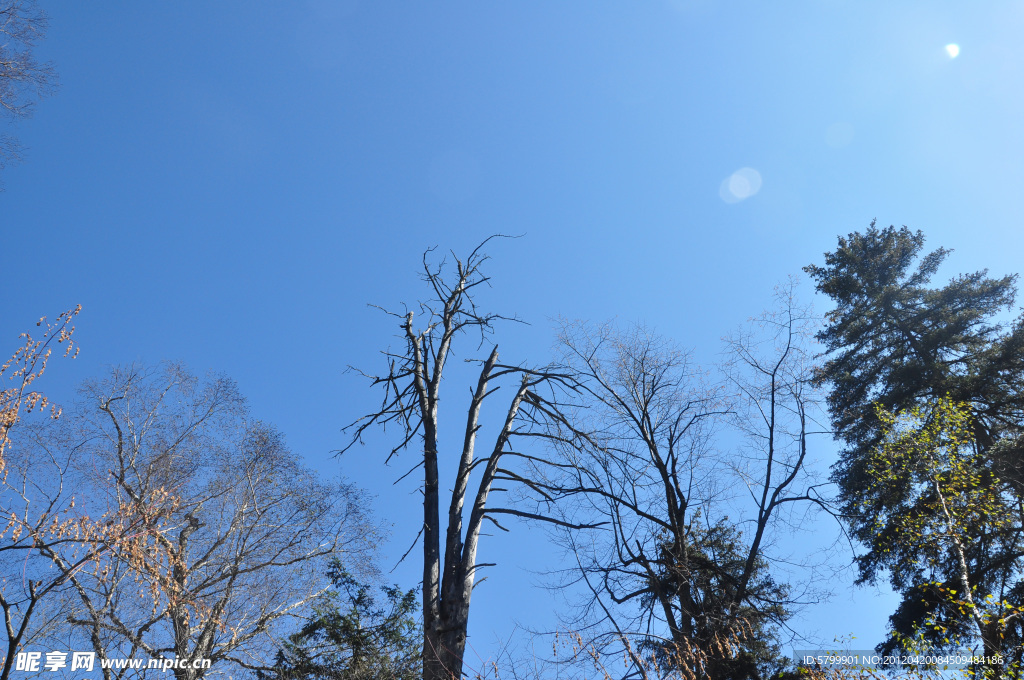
<point>353,636</point>
<point>895,344</point>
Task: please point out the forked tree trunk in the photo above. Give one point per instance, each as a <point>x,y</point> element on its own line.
<point>412,393</point>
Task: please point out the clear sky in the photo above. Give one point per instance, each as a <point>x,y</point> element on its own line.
<point>230,183</point>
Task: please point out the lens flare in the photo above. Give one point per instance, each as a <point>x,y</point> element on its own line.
<point>740,185</point>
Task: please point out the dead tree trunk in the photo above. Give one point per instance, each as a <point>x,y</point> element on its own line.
<point>412,389</point>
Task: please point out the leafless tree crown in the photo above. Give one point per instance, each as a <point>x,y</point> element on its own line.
<point>412,388</point>
<point>213,534</point>
<point>23,79</point>
<point>690,519</point>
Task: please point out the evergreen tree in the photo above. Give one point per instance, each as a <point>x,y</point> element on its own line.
<point>353,637</point>
<point>737,635</point>
<point>951,508</point>
<point>896,345</point>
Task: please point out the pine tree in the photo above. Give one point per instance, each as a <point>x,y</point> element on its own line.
<point>896,345</point>
<point>354,637</point>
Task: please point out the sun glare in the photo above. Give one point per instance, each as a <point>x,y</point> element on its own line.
<point>952,49</point>
<point>740,185</point>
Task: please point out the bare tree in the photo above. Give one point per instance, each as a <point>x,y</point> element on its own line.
<point>39,506</point>
<point>33,510</point>
<point>687,560</point>
<point>26,365</point>
<point>22,79</point>
<point>223,536</point>
<point>412,392</point>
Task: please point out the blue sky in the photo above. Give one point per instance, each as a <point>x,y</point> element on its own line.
<point>229,184</point>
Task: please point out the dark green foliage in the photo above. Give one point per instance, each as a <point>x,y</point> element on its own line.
<point>700,585</point>
<point>895,341</point>
<point>353,637</point>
